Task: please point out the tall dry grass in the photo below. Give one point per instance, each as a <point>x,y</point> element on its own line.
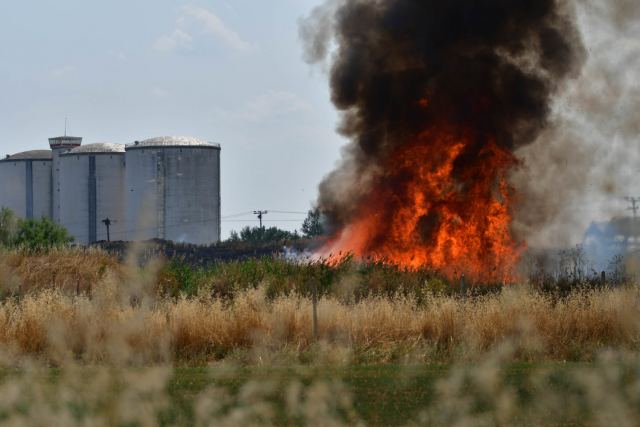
<point>51,324</point>
<point>69,270</point>
<point>117,338</point>
<point>83,304</point>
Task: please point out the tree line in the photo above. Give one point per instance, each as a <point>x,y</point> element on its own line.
<point>35,234</point>
<point>311,228</point>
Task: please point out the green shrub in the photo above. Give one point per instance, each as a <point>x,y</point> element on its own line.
<point>263,235</point>
<point>8,226</point>
<point>348,279</point>
<point>40,234</point>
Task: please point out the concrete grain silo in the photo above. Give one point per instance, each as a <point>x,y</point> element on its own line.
<point>26,184</point>
<point>173,190</point>
<point>91,179</point>
<point>59,145</point>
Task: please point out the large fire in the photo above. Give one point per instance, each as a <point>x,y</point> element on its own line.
<point>435,99</point>
<point>425,212</point>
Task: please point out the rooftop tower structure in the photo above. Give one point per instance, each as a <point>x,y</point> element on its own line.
<point>59,145</point>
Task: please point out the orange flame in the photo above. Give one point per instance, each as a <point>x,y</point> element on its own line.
<point>426,211</point>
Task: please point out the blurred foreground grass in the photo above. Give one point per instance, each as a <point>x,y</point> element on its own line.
<point>554,394</point>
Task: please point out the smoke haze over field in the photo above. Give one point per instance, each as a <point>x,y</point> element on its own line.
<point>553,82</point>
<point>583,165</point>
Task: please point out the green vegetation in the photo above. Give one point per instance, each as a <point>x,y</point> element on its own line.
<point>312,225</point>
<point>40,234</point>
<point>601,393</point>
<point>8,226</point>
<point>262,235</point>
<point>279,277</point>
<point>31,234</point>
<point>379,394</point>
<point>400,395</point>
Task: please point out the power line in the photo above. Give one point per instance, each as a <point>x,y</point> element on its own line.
<point>289,212</point>
<point>226,219</point>
<point>129,231</point>
<point>238,214</point>
<point>266,211</point>
<point>264,220</point>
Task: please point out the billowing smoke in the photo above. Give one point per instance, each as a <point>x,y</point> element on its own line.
<point>583,164</point>
<point>410,76</point>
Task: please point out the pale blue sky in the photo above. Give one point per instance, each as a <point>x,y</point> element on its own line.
<point>232,72</point>
<point>226,71</point>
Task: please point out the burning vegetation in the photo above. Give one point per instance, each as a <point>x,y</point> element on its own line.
<point>435,99</point>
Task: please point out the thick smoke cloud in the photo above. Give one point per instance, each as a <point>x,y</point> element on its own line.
<point>581,167</point>
<point>489,68</point>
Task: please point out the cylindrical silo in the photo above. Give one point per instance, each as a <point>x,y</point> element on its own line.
<point>173,190</point>
<point>59,145</point>
<point>26,184</point>
<point>91,192</point>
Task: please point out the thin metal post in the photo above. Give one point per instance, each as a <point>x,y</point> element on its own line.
<point>107,223</point>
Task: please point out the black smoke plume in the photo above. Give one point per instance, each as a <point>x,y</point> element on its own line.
<point>400,67</point>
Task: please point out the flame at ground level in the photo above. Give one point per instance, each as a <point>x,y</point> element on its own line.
<point>442,202</point>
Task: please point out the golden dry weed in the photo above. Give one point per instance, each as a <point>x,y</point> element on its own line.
<point>117,343</point>
<point>443,328</point>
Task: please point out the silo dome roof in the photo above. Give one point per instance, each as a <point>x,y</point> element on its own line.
<point>101,147</point>
<point>30,155</point>
<point>173,141</point>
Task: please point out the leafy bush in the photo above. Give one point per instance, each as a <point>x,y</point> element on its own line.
<point>312,225</point>
<point>40,234</point>
<point>348,279</point>
<point>258,235</point>
<point>8,226</point>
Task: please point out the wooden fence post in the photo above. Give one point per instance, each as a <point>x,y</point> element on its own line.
<point>314,300</point>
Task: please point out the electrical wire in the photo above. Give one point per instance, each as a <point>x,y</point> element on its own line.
<point>237,215</point>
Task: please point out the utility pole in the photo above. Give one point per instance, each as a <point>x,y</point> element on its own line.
<point>107,223</point>
<point>260,214</point>
<point>635,205</point>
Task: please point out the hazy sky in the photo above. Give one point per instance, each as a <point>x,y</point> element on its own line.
<point>226,71</point>
<point>232,72</point>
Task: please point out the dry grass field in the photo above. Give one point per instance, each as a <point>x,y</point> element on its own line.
<point>50,325</point>
<point>87,340</point>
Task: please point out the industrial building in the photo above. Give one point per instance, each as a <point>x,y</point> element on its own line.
<point>160,188</point>
<point>173,189</point>
<point>26,184</point>
<point>92,182</point>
